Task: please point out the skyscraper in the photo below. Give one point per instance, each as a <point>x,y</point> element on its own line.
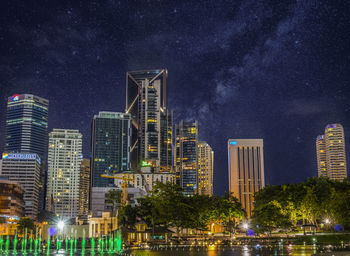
<point>333,144</point>
<point>26,130</point>
<point>24,169</point>
<point>146,102</point>
<point>64,160</point>
<point>84,189</point>
<point>246,170</point>
<point>110,146</point>
<point>321,156</point>
<point>186,139</point>
<point>205,156</point>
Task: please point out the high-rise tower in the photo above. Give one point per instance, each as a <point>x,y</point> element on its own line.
<point>335,152</point>
<point>205,158</point>
<point>246,170</point>
<point>186,140</point>
<point>26,130</point>
<point>146,102</point>
<point>63,179</point>
<point>110,146</point>
<point>321,156</point>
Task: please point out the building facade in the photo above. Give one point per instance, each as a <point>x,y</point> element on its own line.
<point>331,156</point>
<point>84,189</point>
<point>24,169</point>
<point>11,200</point>
<point>246,170</point>
<point>321,156</point>
<point>64,163</point>
<point>146,102</point>
<point>110,146</point>
<point>205,166</point>
<point>186,146</point>
<point>26,130</point>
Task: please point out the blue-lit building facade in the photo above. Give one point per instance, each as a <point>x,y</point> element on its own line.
<point>26,130</point>
<point>186,143</point>
<point>110,146</point>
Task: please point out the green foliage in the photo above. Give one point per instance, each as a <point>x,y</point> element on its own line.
<point>168,206</point>
<point>310,202</point>
<point>24,223</point>
<point>114,197</point>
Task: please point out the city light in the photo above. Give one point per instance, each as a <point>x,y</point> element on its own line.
<point>61,225</point>
<point>245,225</point>
<point>327,221</point>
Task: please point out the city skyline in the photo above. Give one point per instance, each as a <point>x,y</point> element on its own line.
<point>272,76</point>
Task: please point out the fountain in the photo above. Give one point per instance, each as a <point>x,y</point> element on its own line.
<point>14,251</point>
<point>48,243</point>
<point>83,243</point>
<point>92,251</point>
<point>39,248</point>
<point>7,245</point>
<point>75,241</point>
<point>36,241</point>
<point>1,244</point>
<point>31,241</point>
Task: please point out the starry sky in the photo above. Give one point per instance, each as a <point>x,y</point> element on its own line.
<point>277,70</point>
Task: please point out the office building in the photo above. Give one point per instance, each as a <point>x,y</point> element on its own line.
<point>26,130</point>
<point>330,149</point>
<point>146,102</point>
<point>186,140</point>
<point>205,158</point>
<point>246,170</point>
<point>11,200</point>
<point>110,146</point>
<point>63,180</point>
<point>84,189</point>
<point>24,169</point>
<point>321,156</point>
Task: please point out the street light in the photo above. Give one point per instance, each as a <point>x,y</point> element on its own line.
<point>245,225</point>
<point>327,221</point>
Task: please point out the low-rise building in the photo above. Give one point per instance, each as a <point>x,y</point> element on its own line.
<point>99,226</point>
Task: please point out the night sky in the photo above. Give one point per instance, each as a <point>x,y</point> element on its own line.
<point>277,70</point>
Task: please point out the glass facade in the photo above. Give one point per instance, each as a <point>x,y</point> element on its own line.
<point>110,146</point>
<point>186,156</point>
<point>26,130</point>
<point>146,102</point>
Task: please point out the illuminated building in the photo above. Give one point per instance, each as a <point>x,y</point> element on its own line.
<point>146,102</point>
<point>205,156</point>
<point>26,130</point>
<point>63,180</point>
<point>246,170</point>
<point>146,180</point>
<point>110,146</point>
<point>321,156</point>
<point>84,189</point>
<point>335,152</point>
<point>186,140</point>
<point>11,199</point>
<point>24,169</point>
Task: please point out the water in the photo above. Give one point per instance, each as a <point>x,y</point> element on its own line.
<point>245,250</point>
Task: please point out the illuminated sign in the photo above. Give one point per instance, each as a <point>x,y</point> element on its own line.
<point>21,156</point>
<point>15,97</point>
<point>146,164</point>
<point>233,142</point>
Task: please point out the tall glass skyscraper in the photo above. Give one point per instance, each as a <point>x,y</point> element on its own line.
<point>205,160</point>
<point>186,139</point>
<point>146,102</point>
<point>110,146</point>
<point>26,130</point>
<point>26,124</point>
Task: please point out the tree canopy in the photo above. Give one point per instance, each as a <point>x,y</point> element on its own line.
<point>309,202</point>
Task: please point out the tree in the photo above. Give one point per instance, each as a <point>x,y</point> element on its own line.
<point>25,223</point>
<point>114,197</point>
